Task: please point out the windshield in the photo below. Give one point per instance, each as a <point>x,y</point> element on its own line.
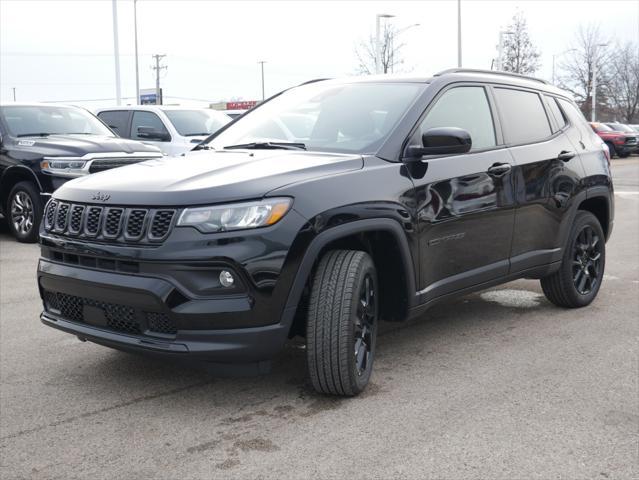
<point>620,128</point>
<point>348,118</point>
<point>190,123</point>
<point>600,127</point>
<point>38,120</point>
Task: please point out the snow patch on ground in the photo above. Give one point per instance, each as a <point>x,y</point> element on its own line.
<point>513,298</point>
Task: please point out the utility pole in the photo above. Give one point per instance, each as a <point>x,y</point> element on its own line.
<point>459,35</point>
<point>157,68</point>
<point>14,94</point>
<point>262,62</point>
<point>116,53</point>
<point>137,69</point>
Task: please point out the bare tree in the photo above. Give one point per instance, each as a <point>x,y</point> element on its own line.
<point>577,69</point>
<point>390,52</point>
<point>520,55</point>
<point>624,82</point>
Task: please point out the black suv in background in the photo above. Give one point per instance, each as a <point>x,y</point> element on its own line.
<point>405,191</point>
<point>43,146</point>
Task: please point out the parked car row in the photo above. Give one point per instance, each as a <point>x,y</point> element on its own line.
<point>622,140</point>
<point>42,146</point>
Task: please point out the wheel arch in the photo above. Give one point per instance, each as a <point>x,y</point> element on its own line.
<point>11,176</point>
<point>375,236</point>
<point>599,206</point>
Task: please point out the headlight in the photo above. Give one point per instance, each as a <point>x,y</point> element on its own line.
<point>237,216</point>
<point>63,168</point>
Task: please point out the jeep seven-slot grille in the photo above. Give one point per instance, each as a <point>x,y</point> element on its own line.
<point>110,224</point>
<point>116,317</point>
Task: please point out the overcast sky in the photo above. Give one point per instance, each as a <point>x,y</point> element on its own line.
<point>63,50</point>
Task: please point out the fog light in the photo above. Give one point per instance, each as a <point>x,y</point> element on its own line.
<point>226,278</point>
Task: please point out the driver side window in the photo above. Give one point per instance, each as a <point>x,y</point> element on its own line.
<point>462,107</point>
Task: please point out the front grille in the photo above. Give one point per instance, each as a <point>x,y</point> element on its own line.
<point>61,217</point>
<point>75,223</point>
<point>119,318</point>
<point>113,222</point>
<point>109,224</point>
<point>161,223</point>
<point>631,140</point>
<point>135,223</point>
<point>100,165</point>
<point>49,215</point>
<point>93,221</point>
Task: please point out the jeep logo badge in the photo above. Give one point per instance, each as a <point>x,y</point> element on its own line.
<point>101,197</point>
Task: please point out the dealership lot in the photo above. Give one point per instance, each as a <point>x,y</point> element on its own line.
<point>498,384</point>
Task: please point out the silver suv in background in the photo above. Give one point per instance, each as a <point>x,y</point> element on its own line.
<point>174,130</point>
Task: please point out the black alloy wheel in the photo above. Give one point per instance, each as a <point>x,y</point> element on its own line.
<point>587,260</point>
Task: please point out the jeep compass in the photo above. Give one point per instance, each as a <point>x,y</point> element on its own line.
<point>382,197</point>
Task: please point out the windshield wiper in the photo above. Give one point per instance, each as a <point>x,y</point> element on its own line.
<point>268,146</point>
<point>43,134</point>
<point>205,134</point>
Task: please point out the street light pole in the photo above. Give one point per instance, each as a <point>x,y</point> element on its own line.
<point>593,114</point>
<point>459,35</point>
<point>137,70</point>
<point>116,53</point>
<point>262,62</point>
<point>392,46</point>
<point>378,45</point>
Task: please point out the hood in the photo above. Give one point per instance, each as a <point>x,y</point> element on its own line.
<point>205,177</point>
<point>79,145</point>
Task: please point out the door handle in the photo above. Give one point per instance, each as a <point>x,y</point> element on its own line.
<point>565,155</point>
<point>499,169</point>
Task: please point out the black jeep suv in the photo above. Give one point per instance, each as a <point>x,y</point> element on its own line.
<point>42,146</point>
<point>331,206</point>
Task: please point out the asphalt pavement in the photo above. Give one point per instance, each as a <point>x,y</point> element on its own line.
<point>499,384</point>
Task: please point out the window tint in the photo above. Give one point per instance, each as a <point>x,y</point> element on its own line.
<point>146,119</point>
<point>463,107</point>
<point>522,115</point>
<point>556,112</point>
<point>117,121</point>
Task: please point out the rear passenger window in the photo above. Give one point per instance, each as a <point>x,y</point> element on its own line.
<point>556,112</point>
<point>463,107</point>
<point>523,116</point>
<point>116,120</point>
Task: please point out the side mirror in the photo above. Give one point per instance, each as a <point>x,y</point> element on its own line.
<point>152,133</point>
<point>442,141</point>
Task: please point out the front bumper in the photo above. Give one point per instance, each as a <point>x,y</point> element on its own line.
<point>144,314</point>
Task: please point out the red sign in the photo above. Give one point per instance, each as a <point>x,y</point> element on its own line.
<point>244,105</point>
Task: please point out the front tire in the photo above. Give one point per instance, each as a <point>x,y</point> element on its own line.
<point>342,323</point>
<point>24,212</point>
<point>579,277</point>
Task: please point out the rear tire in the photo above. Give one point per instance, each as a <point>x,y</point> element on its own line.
<point>24,212</point>
<point>611,149</point>
<point>342,322</point>
<point>579,277</point>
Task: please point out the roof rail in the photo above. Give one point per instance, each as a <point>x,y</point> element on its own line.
<point>490,72</point>
<point>313,81</point>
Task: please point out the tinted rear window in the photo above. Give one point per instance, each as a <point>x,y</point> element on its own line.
<point>556,112</point>
<point>116,120</point>
<point>523,116</point>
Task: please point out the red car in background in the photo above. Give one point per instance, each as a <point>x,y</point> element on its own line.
<point>619,143</point>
